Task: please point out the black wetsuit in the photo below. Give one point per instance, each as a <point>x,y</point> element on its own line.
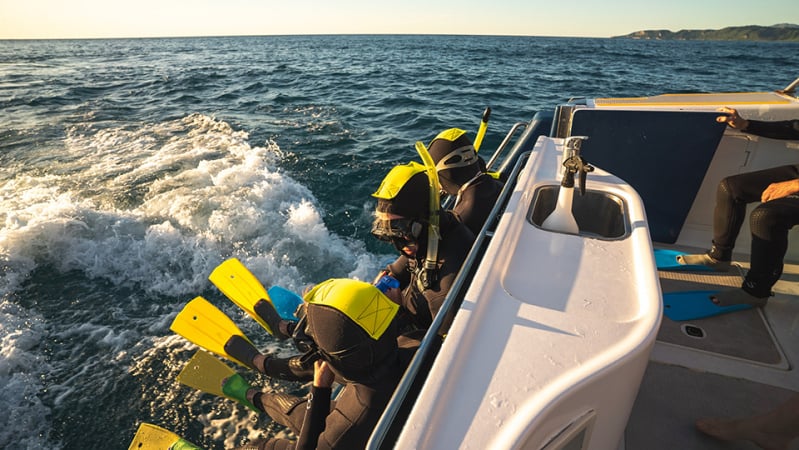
<point>475,203</point>
<point>784,129</point>
<point>346,423</point>
<point>421,304</point>
<point>769,221</point>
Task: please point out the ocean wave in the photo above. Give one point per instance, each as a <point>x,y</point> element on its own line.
<point>24,423</point>
<point>160,205</point>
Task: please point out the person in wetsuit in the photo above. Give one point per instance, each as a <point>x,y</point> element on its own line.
<point>778,190</point>
<point>350,328</point>
<point>462,174</point>
<point>402,216</point>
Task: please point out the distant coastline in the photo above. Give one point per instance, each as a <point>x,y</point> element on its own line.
<point>779,32</point>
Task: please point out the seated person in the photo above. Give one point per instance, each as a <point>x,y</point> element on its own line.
<point>777,189</point>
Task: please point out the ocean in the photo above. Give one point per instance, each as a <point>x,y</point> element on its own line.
<point>130,168</point>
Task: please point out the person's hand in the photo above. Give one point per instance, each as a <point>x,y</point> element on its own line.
<point>323,375</point>
<point>395,295</point>
<point>732,118</point>
<point>780,190</point>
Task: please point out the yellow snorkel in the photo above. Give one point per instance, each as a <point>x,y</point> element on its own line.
<point>481,132</point>
<point>433,236</point>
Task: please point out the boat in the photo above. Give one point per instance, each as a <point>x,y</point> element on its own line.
<point>562,339</point>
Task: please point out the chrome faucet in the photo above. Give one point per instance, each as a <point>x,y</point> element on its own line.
<point>574,163</point>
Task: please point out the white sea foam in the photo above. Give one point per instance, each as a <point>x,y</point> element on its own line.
<point>153,208</point>
<point>158,207</point>
<point>23,423</point>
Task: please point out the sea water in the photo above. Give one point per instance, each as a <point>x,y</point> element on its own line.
<point>130,168</point>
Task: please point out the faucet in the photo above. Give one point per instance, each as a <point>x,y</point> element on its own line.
<point>574,163</point>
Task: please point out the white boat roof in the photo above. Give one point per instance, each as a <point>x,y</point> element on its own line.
<point>687,100</point>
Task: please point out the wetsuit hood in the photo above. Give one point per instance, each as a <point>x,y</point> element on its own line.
<point>455,158</point>
<point>410,199</point>
<point>352,324</point>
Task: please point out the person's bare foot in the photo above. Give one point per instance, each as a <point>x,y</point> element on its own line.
<point>703,259</point>
<point>737,297</point>
<point>743,429</point>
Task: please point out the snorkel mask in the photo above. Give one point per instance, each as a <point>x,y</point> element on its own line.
<point>401,233</point>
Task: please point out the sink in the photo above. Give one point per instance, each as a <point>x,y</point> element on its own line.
<point>598,214</point>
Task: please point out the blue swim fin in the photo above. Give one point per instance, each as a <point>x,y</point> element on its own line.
<point>285,301</point>
<point>691,305</point>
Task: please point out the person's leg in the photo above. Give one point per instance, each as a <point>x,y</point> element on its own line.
<point>773,430</point>
<point>732,196</point>
<point>769,223</point>
<point>285,409</point>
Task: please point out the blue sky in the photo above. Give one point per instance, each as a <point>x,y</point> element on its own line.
<point>586,18</point>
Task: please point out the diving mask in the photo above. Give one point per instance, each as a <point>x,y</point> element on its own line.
<point>399,232</point>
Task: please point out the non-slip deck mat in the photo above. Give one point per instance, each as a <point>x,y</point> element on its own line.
<point>740,334</point>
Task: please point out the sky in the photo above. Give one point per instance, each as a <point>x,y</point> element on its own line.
<point>46,19</point>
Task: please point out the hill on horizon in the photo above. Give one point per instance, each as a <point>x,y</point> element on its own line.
<point>778,32</point>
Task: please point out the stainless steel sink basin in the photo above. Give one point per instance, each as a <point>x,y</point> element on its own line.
<point>598,214</point>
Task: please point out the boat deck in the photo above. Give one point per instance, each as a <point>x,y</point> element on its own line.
<point>743,364</point>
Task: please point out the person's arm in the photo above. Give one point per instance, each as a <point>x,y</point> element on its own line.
<point>318,406</point>
<point>784,129</point>
<point>295,368</point>
<point>399,270</point>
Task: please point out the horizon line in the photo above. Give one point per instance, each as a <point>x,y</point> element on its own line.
<point>777,25</point>
<point>289,34</point>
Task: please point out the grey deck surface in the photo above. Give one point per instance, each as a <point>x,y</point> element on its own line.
<point>671,398</point>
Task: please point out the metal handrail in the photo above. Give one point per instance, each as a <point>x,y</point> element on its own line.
<point>504,143</point>
<point>791,88</point>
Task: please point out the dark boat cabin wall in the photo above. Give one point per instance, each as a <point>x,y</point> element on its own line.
<point>664,155</point>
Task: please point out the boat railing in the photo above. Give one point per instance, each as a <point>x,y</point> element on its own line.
<point>516,127</point>
<point>395,414</point>
<point>791,88</point>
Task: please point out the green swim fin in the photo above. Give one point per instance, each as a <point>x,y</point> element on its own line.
<point>242,288</point>
<point>208,374</point>
<point>153,437</point>
<point>205,325</point>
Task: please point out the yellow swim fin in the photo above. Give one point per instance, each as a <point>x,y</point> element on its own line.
<point>205,373</point>
<point>242,288</point>
<point>208,374</point>
<point>153,437</point>
<point>205,325</point>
